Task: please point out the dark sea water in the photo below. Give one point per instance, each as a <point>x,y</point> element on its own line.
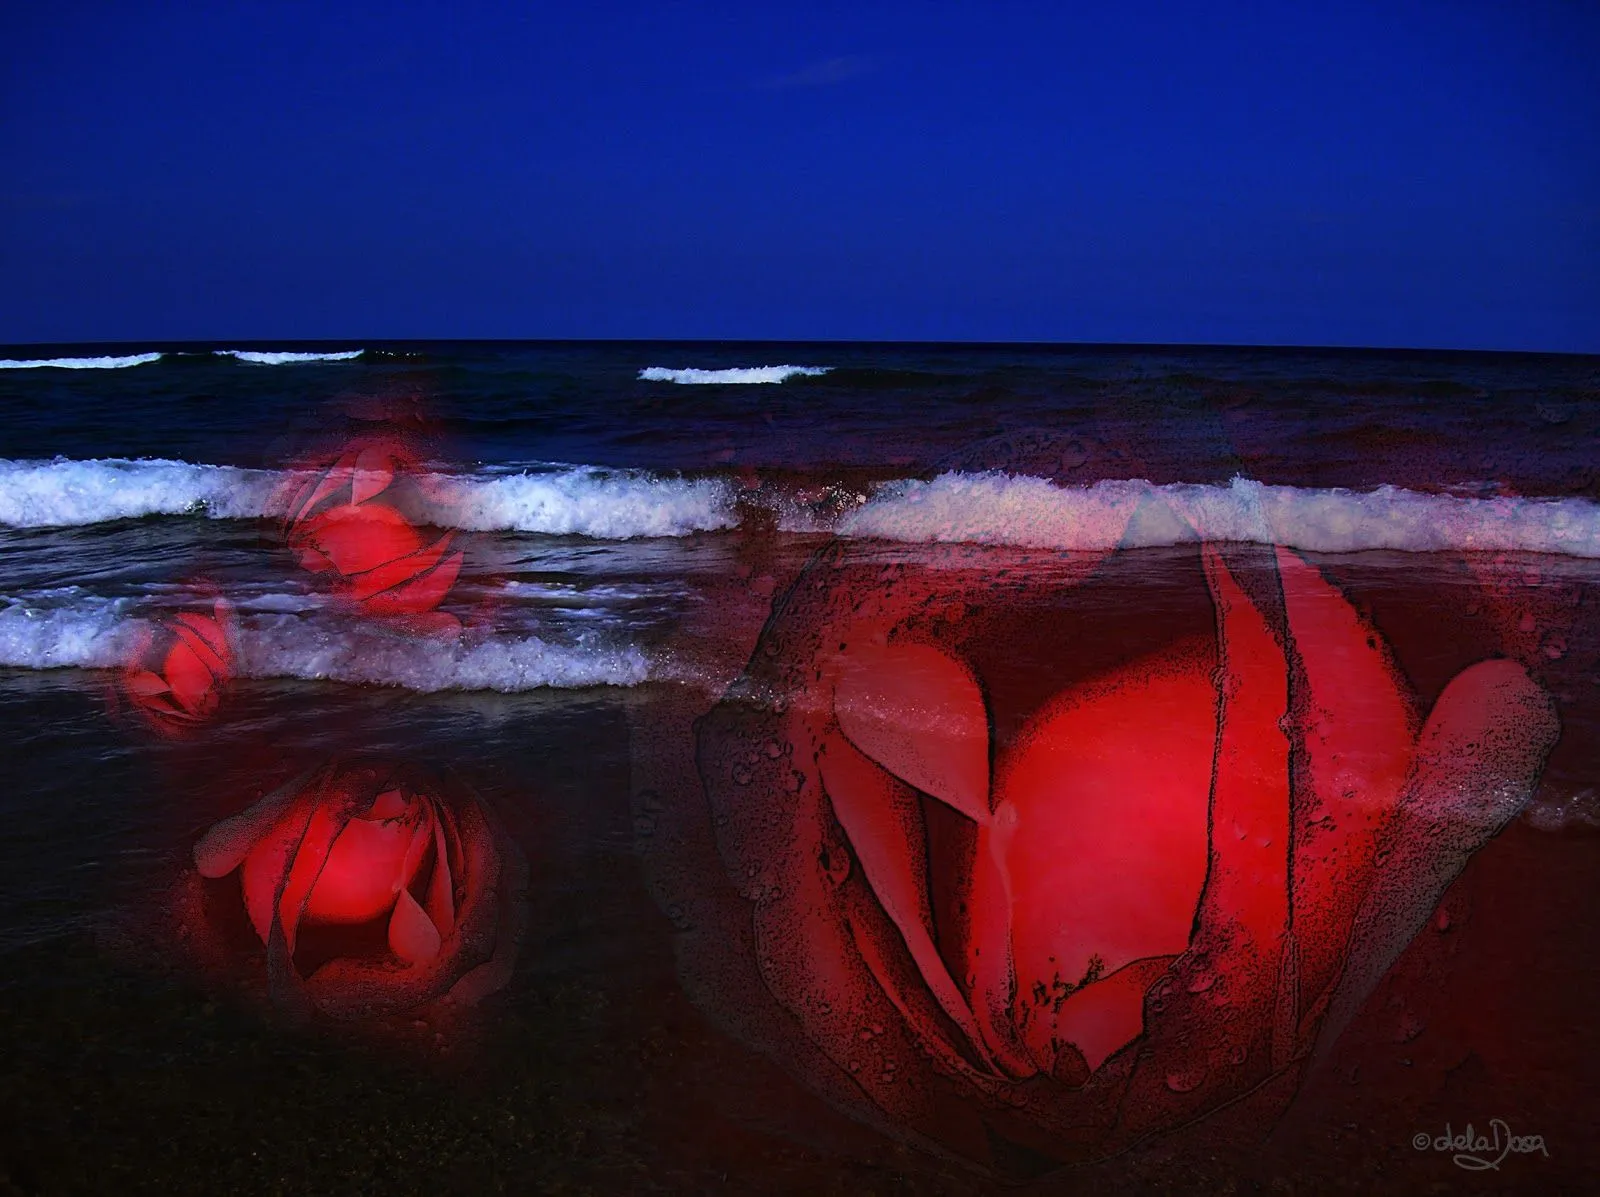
<point>637,521</point>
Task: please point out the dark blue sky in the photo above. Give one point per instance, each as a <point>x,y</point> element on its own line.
<point>1413,174</point>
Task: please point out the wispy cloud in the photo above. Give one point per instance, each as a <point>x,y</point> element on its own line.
<point>824,73</point>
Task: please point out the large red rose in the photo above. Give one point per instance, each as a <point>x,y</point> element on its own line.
<point>360,522</point>
<point>177,670</point>
<point>373,891</point>
<point>1043,856</point>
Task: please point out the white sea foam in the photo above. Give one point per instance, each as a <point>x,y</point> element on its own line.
<point>37,494</point>
<point>605,504</point>
<point>576,501</point>
<point>79,363</point>
<point>96,633</point>
<point>257,358</point>
<point>91,633</point>
<point>998,508</point>
<point>736,376</point>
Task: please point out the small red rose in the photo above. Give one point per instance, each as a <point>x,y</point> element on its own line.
<point>373,891</point>
<point>360,521</point>
<point>176,673</point>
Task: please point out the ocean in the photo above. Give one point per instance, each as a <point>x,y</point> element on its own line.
<point>627,539</point>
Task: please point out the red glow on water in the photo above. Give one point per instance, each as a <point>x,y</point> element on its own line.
<point>178,669</point>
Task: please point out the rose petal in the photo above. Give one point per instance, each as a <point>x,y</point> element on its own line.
<point>225,846</point>
<point>920,714</point>
<point>416,583</point>
<point>358,539</point>
<point>364,868</point>
<point>1099,1018</point>
<point>441,887</point>
<point>1246,901</point>
<point>319,487</point>
<point>144,684</point>
<point>192,681</point>
<point>412,935</point>
<point>1358,733</point>
<point>1477,761</point>
<point>390,804</point>
<point>1104,798</point>
<point>269,856</point>
<point>1232,996</point>
<point>322,832</point>
<point>209,630</point>
<point>883,821</point>
<point>373,472</point>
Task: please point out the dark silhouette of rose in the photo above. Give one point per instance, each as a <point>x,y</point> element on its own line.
<point>360,523</point>
<point>176,673</point>
<point>372,889</point>
<point>1033,863</point>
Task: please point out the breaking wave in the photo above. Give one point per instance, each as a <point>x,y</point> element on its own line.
<point>738,375</point>
<point>80,363</point>
<point>574,501</point>
<point>1006,509</point>
<point>97,633</point>
<point>284,359</point>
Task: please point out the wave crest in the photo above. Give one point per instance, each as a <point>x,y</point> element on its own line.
<point>573,501</point>
<point>1027,512</point>
<point>735,376</point>
<point>96,633</point>
<point>79,363</point>
<point>258,358</point>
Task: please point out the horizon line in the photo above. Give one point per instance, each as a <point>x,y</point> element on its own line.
<point>153,343</point>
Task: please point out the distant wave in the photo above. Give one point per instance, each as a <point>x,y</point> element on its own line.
<point>738,375</point>
<point>286,359</point>
<point>80,363</point>
<point>573,501</point>
<point>96,633</point>
<point>999,508</point>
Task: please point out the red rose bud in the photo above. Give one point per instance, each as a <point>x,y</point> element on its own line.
<point>373,892</point>
<point>1039,862</point>
<point>359,521</point>
<point>178,669</point>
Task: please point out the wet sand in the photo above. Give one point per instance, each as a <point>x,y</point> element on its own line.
<point>126,1068</point>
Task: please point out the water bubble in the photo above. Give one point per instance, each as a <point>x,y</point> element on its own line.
<point>644,826</point>
<point>1201,982</point>
<point>1236,1054</point>
<point>1186,1080</point>
<point>774,749</point>
<point>741,775</point>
